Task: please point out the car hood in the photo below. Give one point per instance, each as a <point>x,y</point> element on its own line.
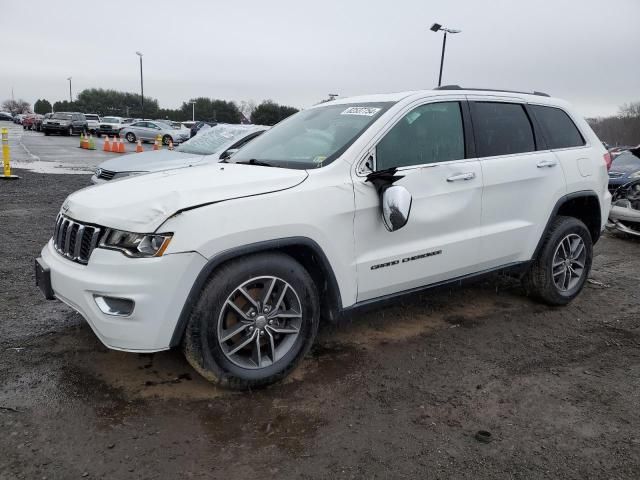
<point>152,161</point>
<point>142,203</point>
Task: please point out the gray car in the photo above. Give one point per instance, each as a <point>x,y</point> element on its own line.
<point>209,146</point>
<point>148,131</point>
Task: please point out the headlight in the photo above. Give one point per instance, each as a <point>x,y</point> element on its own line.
<point>635,174</point>
<point>125,174</point>
<point>138,245</point>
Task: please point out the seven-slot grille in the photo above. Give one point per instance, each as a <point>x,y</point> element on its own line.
<point>105,174</point>
<point>74,240</point>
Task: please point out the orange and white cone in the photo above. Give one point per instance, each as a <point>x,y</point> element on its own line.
<point>170,144</point>
<point>106,147</point>
<point>139,148</point>
<point>155,145</point>
<point>114,145</point>
<point>121,148</point>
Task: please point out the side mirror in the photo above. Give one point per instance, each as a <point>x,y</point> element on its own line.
<point>396,207</point>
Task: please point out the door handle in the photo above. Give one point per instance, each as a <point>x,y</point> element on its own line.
<point>547,163</point>
<point>461,176</point>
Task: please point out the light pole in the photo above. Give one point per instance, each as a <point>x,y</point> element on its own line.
<point>70,96</point>
<point>436,27</point>
<point>141,88</point>
<point>193,111</point>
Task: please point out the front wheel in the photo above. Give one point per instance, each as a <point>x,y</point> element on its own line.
<point>256,318</point>
<point>131,138</point>
<point>562,266</point>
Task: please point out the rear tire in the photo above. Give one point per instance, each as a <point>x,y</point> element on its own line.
<point>276,329</point>
<point>166,139</point>
<point>561,268</point>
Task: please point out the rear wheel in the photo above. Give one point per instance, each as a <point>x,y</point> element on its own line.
<point>255,320</point>
<point>562,266</point>
<point>131,138</point>
<point>166,139</point>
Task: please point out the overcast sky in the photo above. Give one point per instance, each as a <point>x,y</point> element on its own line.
<point>297,51</point>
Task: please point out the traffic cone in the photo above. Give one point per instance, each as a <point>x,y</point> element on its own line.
<point>139,148</point>
<point>155,145</point>
<point>114,145</point>
<point>82,140</point>
<point>170,144</point>
<point>92,144</point>
<point>106,146</point>
<point>121,148</point>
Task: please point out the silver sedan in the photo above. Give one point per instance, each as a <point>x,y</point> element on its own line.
<point>148,131</point>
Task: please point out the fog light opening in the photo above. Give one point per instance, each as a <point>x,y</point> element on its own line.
<point>119,307</point>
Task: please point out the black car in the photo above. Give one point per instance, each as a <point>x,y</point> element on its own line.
<point>6,116</point>
<point>198,125</point>
<point>65,123</point>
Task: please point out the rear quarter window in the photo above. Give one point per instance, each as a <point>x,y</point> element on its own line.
<point>557,127</point>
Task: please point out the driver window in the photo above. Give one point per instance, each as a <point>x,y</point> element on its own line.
<point>430,133</point>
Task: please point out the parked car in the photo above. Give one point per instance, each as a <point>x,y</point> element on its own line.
<point>18,118</point>
<point>93,121</point>
<point>111,126</point>
<point>147,131</point>
<point>6,116</point>
<point>624,216</point>
<point>343,205</point>
<point>65,123</point>
<point>197,126</point>
<point>624,168</point>
<point>30,122</point>
<point>215,144</point>
<point>40,119</point>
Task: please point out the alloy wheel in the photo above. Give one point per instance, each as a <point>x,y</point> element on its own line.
<point>259,322</point>
<point>569,262</point>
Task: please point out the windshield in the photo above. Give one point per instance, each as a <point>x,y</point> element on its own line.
<point>92,117</point>
<point>312,138</point>
<point>210,141</point>
<point>626,159</point>
<point>111,120</point>
<point>62,116</point>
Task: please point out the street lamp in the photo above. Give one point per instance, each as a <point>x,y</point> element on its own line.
<point>141,88</point>
<point>193,111</point>
<point>70,96</point>
<point>436,27</point>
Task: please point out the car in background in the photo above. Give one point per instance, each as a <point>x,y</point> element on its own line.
<point>93,120</point>
<point>615,151</point>
<point>29,121</point>
<point>148,131</point>
<point>18,118</point>
<point>110,126</point>
<point>216,144</point>
<point>40,119</point>
<point>624,168</point>
<point>65,123</point>
<point>197,126</point>
<point>6,116</point>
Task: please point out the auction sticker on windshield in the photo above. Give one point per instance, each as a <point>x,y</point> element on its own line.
<point>364,111</point>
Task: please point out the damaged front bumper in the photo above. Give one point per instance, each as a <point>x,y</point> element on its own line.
<point>624,218</point>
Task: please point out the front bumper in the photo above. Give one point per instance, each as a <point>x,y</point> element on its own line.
<point>158,287</point>
<point>55,128</point>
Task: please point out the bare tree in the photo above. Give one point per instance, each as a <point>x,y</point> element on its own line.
<point>16,106</point>
<point>631,109</point>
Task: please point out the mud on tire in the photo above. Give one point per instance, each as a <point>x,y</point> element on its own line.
<point>270,316</point>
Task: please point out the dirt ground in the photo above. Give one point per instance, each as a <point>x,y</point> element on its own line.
<point>395,393</point>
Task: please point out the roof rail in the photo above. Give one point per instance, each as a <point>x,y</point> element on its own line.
<point>458,87</point>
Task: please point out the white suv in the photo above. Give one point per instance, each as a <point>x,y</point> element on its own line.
<point>338,207</point>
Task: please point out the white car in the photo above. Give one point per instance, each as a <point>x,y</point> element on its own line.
<point>111,126</point>
<point>93,122</point>
<point>341,206</point>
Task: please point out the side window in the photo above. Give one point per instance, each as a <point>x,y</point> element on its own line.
<point>558,128</point>
<point>427,134</point>
<point>501,129</point>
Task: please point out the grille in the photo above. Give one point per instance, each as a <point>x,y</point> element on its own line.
<point>615,174</point>
<point>106,174</point>
<point>74,240</point>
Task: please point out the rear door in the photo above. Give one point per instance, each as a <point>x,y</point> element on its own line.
<point>523,179</point>
<point>440,240</point>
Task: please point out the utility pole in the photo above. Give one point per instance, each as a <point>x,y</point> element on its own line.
<point>70,95</point>
<point>141,87</point>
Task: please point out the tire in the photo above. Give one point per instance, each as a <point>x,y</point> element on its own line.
<point>131,138</point>
<point>546,278</point>
<point>166,139</point>
<point>46,133</point>
<point>214,359</point>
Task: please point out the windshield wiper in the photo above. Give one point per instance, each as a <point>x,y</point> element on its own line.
<point>253,161</point>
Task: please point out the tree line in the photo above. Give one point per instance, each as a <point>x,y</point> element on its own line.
<point>621,129</point>
<point>107,102</point>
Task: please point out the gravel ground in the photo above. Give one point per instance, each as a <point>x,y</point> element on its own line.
<point>395,393</point>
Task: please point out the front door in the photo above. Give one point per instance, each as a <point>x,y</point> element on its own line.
<point>439,242</point>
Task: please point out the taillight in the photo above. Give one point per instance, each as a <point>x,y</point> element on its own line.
<point>607,159</point>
